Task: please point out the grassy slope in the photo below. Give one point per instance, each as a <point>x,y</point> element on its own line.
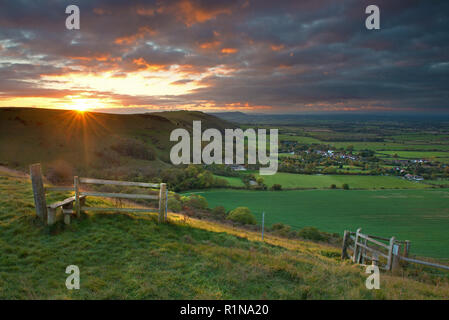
<point>417,215</point>
<point>133,257</point>
<point>40,135</point>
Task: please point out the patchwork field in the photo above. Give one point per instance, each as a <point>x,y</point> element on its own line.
<point>421,216</point>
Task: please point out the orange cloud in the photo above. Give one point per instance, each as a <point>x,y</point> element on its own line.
<point>277,47</point>
<point>210,44</point>
<point>229,50</point>
<point>143,64</point>
<point>142,32</point>
<point>191,12</point>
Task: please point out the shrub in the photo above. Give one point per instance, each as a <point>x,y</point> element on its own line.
<point>196,202</point>
<point>219,211</point>
<point>276,187</point>
<point>345,186</point>
<point>174,205</point>
<point>312,233</point>
<point>282,230</point>
<point>279,226</point>
<point>242,215</point>
<point>333,186</point>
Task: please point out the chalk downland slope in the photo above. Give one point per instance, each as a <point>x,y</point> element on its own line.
<point>87,141</point>
<point>124,256</point>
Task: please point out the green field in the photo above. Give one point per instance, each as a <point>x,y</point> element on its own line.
<point>416,154</point>
<point>304,181</point>
<point>421,216</point>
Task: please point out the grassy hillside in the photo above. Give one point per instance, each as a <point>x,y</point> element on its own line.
<point>91,141</point>
<point>420,216</point>
<point>132,257</point>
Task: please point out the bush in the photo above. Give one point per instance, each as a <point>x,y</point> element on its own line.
<point>242,215</point>
<point>282,230</point>
<point>312,233</point>
<point>333,186</point>
<point>276,187</point>
<point>174,205</point>
<point>196,202</point>
<point>219,212</point>
<point>345,186</point>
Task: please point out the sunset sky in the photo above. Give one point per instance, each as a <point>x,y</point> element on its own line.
<point>251,56</point>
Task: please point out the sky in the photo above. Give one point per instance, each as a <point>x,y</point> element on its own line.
<point>246,55</point>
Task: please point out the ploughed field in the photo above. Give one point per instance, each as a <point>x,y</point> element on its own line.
<point>421,216</point>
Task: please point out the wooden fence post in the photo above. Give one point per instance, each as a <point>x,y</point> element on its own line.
<point>76,183</point>
<point>162,202</point>
<point>406,248</point>
<point>344,253</point>
<point>355,256</point>
<point>38,191</point>
<point>51,216</point>
<point>390,255</point>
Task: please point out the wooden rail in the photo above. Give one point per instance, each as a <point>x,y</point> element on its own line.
<point>76,204</point>
<point>426,263</point>
<point>391,251</point>
<point>162,197</point>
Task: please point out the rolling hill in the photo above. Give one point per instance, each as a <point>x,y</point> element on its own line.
<point>89,142</point>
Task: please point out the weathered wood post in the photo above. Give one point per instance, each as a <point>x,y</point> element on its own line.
<point>166,205</point>
<point>363,252</point>
<point>38,191</point>
<point>356,249</point>
<point>162,202</point>
<point>344,248</point>
<point>395,266</point>
<point>375,259</point>
<point>67,211</point>
<point>390,255</point>
<point>76,183</point>
<point>406,248</point>
<point>51,217</point>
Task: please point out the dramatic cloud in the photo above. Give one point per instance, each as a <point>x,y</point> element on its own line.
<point>270,56</point>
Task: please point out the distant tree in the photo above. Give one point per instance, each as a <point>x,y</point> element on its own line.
<point>345,186</point>
<point>276,187</point>
<point>333,186</point>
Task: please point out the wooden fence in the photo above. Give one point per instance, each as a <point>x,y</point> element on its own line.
<point>77,203</point>
<point>384,252</point>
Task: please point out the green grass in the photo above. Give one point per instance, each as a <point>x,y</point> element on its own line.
<point>133,257</point>
<point>303,181</point>
<point>421,216</point>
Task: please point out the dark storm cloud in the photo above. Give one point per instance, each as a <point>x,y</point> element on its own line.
<point>287,55</point>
